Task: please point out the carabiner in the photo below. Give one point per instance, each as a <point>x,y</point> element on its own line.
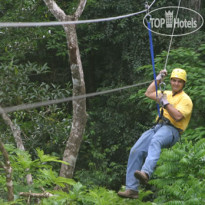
<point>162,86</point>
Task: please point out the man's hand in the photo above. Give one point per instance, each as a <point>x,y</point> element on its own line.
<point>161,75</point>
<point>162,100</point>
<point>151,90</point>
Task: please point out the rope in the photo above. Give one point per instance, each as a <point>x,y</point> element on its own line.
<point>63,100</point>
<point>35,24</point>
<point>152,58</point>
<point>170,43</point>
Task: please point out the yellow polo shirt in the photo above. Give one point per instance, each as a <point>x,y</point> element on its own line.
<point>183,103</point>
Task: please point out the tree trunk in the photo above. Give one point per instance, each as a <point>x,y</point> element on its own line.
<point>79,106</point>
<point>17,136</point>
<point>8,169</point>
<point>195,5</point>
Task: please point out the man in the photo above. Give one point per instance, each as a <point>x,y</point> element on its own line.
<point>177,108</point>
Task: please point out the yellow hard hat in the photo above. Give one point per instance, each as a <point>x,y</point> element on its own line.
<point>179,73</point>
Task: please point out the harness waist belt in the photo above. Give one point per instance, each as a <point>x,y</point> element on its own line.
<point>166,121</point>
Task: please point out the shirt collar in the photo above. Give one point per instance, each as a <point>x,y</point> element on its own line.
<point>173,94</point>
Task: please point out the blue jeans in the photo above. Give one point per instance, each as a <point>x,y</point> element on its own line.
<point>146,151</point>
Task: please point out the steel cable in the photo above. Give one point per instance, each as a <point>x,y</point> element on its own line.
<point>38,24</point>
<point>63,100</point>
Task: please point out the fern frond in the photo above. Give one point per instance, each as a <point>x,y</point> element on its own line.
<point>175,202</point>
<point>171,155</point>
<point>195,201</point>
<point>161,182</point>
<point>166,169</point>
<point>200,145</point>
<point>47,158</point>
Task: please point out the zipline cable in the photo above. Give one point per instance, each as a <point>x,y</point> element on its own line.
<point>63,100</point>
<point>39,24</point>
<point>162,84</point>
<point>170,43</point>
<point>58,23</point>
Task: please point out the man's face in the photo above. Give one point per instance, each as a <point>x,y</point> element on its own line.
<point>177,84</point>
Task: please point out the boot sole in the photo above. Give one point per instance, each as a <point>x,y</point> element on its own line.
<point>130,197</point>
<point>142,178</point>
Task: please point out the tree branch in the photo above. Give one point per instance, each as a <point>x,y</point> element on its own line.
<point>80,9</point>
<point>55,10</point>
<point>8,169</point>
<point>15,130</point>
<point>36,195</point>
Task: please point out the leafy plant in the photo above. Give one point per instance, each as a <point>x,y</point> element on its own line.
<point>45,178</point>
<point>180,173</point>
<point>41,169</point>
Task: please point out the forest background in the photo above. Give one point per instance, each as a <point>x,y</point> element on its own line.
<point>35,67</point>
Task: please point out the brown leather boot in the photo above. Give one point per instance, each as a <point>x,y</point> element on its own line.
<point>142,176</point>
<point>128,194</point>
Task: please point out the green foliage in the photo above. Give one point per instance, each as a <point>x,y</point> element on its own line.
<point>21,42</point>
<point>55,40</point>
<point>193,62</point>
<point>44,127</point>
<point>45,178</point>
<point>47,158</point>
<point>101,196</point>
<point>17,86</point>
<point>180,173</point>
<point>79,194</point>
<point>113,54</point>
<point>43,175</point>
<point>111,130</point>
<point>112,127</point>
<point>115,47</point>
<point>34,44</point>
<point>179,176</point>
